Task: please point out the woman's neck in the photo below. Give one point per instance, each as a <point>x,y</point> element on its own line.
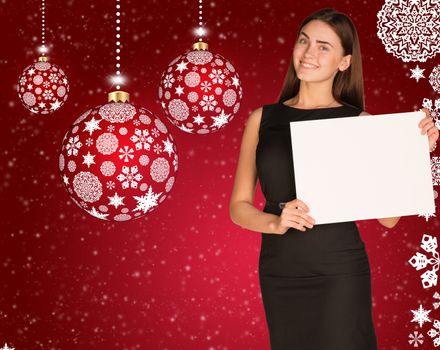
<point>314,95</point>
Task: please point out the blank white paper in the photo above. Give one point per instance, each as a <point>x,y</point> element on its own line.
<point>362,167</point>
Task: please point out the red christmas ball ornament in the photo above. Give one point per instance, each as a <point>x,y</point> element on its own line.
<point>118,161</point>
<point>43,87</point>
<point>200,91</point>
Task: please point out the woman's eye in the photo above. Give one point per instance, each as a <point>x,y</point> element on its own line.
<point>302,41</point>
<point>324,48</point>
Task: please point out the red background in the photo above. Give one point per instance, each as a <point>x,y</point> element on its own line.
<point>184,276</point>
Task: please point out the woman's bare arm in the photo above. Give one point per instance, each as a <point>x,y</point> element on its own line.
<point>387,222</point>
<point>241,206</point>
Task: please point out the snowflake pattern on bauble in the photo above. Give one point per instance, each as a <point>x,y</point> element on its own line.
<point>410,29</point>
<point>43,87</point>
<point>200,92</point>
<point>118,161</point>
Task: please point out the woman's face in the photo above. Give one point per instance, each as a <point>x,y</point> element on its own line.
<point>318,53</point>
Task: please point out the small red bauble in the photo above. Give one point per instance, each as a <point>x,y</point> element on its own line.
<point>200,91</point>
<point>118,161</point>
<point>43,87</point>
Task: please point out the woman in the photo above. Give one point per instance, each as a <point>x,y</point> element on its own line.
<point>316,286</point>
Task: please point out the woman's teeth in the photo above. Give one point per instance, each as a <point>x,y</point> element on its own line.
<point>307,65</point>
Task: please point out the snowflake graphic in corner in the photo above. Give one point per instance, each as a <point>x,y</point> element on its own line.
<point>420,261</point>
<point>435,333</point>
<point>434,78</point>
<point>435,170</point>
<point>416,338</point>
<point>5,347</point>
<point>409,29</point>
<point>420,316</point>
<point>427,215</point>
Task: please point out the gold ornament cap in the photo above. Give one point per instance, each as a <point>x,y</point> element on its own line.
<point>118,96</point>
<point>200,46</point>
<point>43,59</point>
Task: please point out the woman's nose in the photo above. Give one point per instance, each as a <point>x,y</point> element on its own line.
<point>310,51</point>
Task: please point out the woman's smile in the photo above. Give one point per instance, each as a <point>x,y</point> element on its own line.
<point>308,65</point>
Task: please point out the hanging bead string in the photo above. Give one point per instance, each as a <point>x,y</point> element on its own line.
<point>118,78</point>
<point>43,49</point>
<point>201,30</point>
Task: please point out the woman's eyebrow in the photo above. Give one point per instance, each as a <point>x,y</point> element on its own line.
<point>318,41</point>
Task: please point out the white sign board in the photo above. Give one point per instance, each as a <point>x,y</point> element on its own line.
<point>362,167</point>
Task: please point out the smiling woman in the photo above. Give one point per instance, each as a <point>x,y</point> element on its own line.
<point>326,52</point>
<point>315,285</point>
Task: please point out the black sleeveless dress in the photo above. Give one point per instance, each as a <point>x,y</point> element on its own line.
<point>315,284</point>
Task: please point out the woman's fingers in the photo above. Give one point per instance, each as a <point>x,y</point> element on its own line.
<point>299,221</point>
<point>294,215</point>
<point>299,213</point>
<point>432,131</point>
<point>424,122</point>
<point>427,112</point>
<point>289,222</point>
<point>428,125</point>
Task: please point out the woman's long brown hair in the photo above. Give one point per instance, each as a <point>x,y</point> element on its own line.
<point>348,85</point>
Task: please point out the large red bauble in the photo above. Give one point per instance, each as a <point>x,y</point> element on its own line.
<point>43,87</point>
<point>118,161</point>
<point>200,92</point>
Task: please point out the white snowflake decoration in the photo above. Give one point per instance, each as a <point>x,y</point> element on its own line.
<point>434,78</point>
<point>434,109</point>
<point>129,177</point>
<point>427,215</point>
<point>97,214</point>
<point>6,347</point>
<point>87,186</point>
<point>409,29</point>
<point>434,333</point>
<point>435,170</point>
<point>417,73</point>
<point>436,304</point>
<point>148,201</point>
<point>421,261</point>
<point>415,338</point>
<point>421,315</point>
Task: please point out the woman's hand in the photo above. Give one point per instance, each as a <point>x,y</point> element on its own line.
<point>427,125</point>
<point>294,215</point>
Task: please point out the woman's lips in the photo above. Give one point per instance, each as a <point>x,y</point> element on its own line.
<point>308,65</point>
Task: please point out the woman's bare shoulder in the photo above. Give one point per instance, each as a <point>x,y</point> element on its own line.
<point>255,115</point>
<point>253,122</point>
